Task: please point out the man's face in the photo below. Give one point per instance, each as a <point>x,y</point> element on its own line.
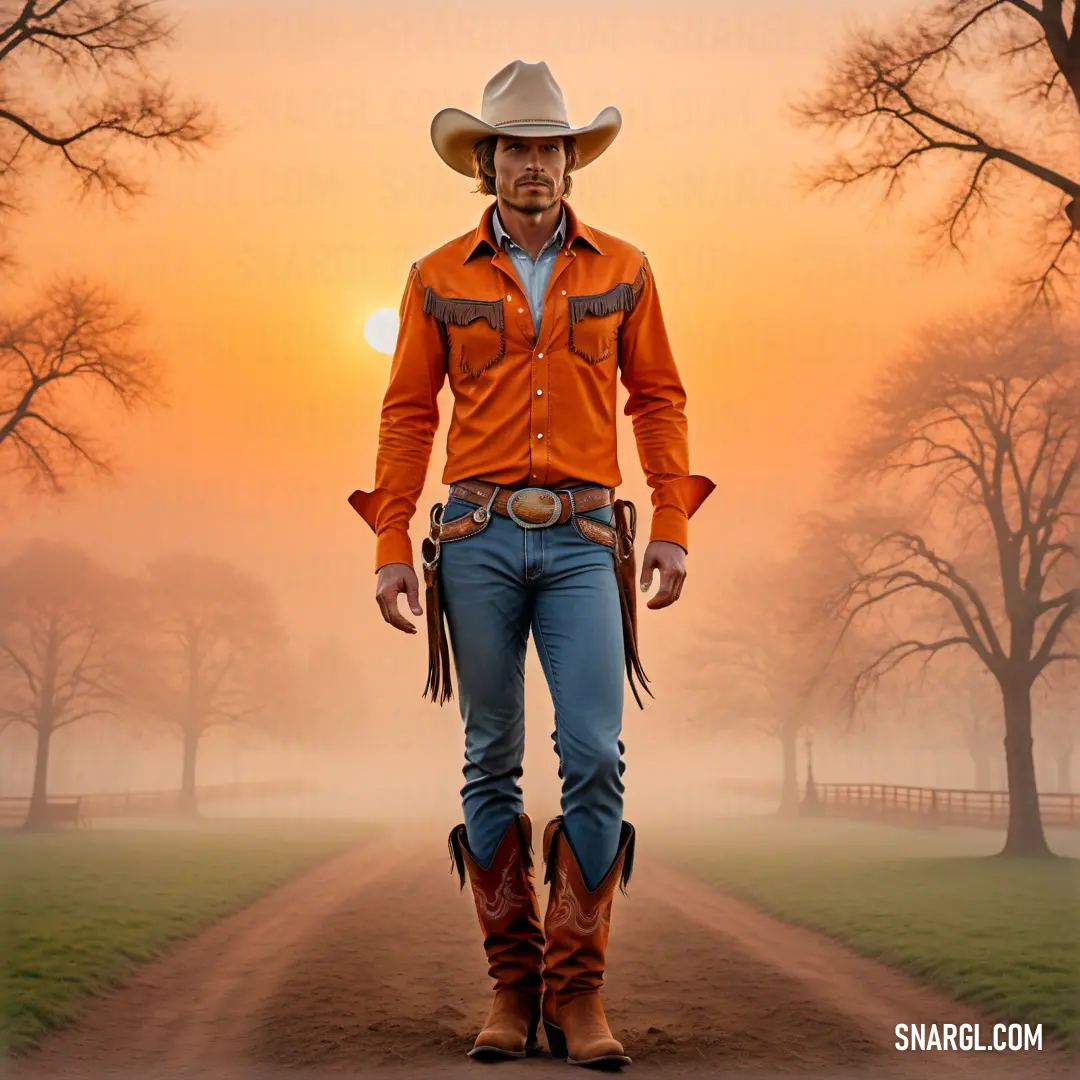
<point>529,173</point>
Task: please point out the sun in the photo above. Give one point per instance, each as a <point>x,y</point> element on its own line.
<point>380,330</point>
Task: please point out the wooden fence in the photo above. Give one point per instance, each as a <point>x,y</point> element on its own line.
<point>60,811</point>
<point>933,806</point>
<point>81,810</point>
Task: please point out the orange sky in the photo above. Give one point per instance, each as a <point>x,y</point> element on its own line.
<point>255,268</point>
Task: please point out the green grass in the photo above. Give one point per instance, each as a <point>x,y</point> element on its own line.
<point>79,910</point>
<point>1004,934</point>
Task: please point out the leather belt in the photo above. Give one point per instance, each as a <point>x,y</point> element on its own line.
<point>530,507</point>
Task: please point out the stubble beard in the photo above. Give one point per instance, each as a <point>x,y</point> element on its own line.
<point>530,200</point>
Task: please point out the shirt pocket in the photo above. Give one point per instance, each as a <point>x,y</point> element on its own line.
<point>595,321</point>
<point>474,330</point>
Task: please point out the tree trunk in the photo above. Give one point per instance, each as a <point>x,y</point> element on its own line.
<point>1064,770</point>
<point>789,791</point>
<point>36,817</point>
<point>188,803</point>
<point>1025,836</point>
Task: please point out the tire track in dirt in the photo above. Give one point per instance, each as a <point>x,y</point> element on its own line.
<point>372,963</point>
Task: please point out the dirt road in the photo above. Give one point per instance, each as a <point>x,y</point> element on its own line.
<point>371,964</point>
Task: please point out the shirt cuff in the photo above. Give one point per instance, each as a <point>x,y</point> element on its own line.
<point>669,523</point>
<point>393,546</point>
<point>675,502</point>
<point>686,493</point>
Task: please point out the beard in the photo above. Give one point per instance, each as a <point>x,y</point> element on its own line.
<point>529,199</point>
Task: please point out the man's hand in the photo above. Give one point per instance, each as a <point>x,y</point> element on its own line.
<point>670,560</point>
<point>395,579</point>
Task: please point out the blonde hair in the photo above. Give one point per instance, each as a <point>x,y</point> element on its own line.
<point>484,163</point>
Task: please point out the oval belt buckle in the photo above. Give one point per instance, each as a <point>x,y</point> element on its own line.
<point>553,517</point>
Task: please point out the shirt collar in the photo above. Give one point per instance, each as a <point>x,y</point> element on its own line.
<point>556,239</point>
<point>573,230</point>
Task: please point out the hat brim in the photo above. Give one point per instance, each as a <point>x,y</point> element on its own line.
<point>454,133</point>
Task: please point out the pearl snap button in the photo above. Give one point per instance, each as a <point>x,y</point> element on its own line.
<point>520,310</point>
<point>540,356</point>
<point>540,436</point>
<point>539,393</point>
<point>509,297</point>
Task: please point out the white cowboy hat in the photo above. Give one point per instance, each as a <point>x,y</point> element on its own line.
<point>522,99</point>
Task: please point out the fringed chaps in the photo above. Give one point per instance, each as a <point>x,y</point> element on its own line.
<point>439,687</point>
<point>626,575</point>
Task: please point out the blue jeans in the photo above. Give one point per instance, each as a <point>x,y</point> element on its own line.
<point>496,585</point>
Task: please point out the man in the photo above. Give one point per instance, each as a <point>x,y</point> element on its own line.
<point>534,317</point>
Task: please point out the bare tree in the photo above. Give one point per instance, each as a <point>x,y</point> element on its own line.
<point>61,619</point>
<point>74,88</point>
<point>916,99</point>
<point>753,677</point>
<point>774,661</point>
<point>982,428</point>
<point>56,363</point>
<point>212,653</point>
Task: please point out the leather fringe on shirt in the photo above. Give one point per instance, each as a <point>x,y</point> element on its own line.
<point>621,297</point>
<point>462,312</point>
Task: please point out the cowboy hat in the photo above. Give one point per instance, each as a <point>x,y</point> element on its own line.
<point>522,99</point>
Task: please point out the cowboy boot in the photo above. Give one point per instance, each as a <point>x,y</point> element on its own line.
<point>509,914</point>
<point>576,928</point>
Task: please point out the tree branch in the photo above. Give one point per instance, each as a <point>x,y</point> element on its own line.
<point>892,90</point>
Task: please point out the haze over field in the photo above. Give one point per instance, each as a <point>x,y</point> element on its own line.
<point>255,269</point>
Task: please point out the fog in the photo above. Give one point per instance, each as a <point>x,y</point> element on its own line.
<point>400,757</point>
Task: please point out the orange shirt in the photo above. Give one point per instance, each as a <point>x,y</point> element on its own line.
<point>530,410</point>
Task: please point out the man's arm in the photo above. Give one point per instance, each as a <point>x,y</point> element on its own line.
<point>410,418</point>
<point>656,403</point>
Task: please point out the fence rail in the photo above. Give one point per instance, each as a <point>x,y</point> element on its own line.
<point>81,810</point>
<point>933,806</point>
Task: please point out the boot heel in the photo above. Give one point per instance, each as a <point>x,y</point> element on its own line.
<point>532,1043</point>
<point>556,1040</point>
